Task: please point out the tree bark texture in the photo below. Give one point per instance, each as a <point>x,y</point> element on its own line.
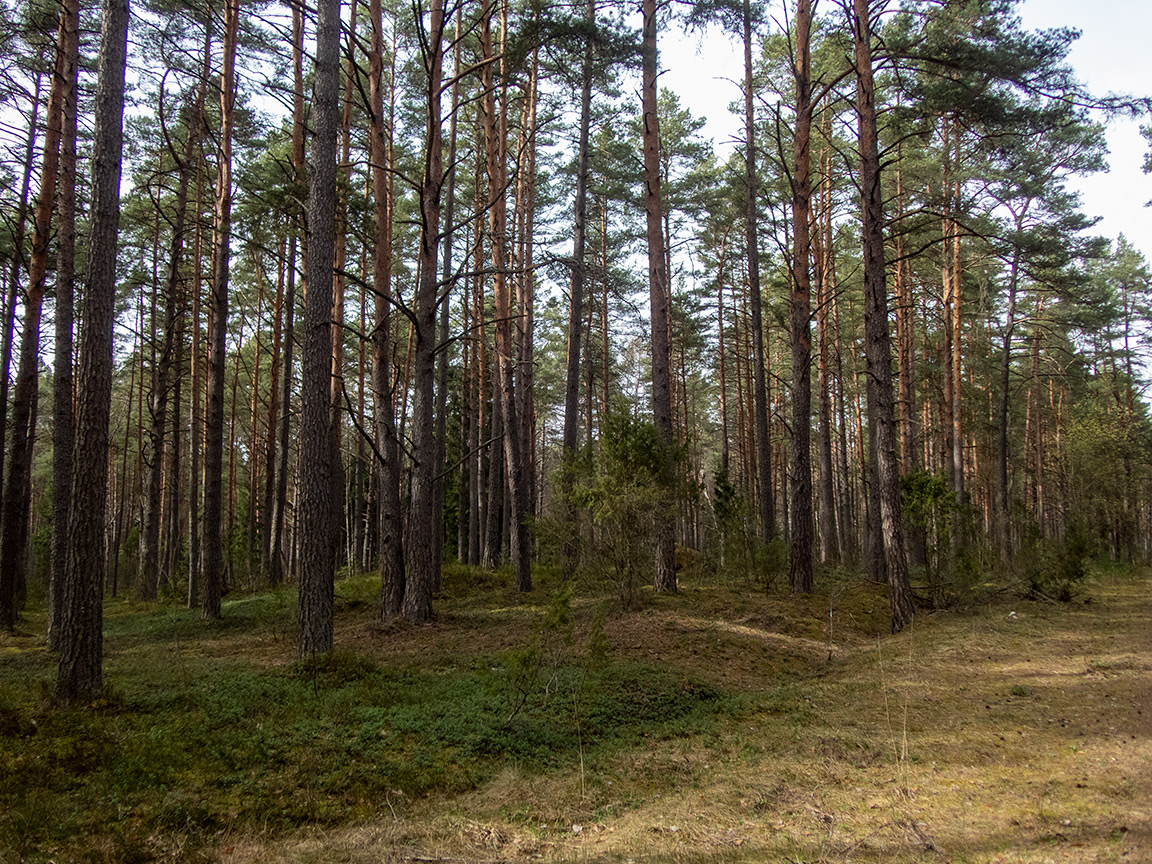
<point>317,521</point>
<point>17,481</point>
<point>420,577</point>
<point>80,675</point>
<point>213,536</point>
<point>878,352</point>
<point>659,291</point>
<point>800,562</point>
<point>766,500</point>
<point>390,519</point>
<point>62,378</point>
<point>507,355</point>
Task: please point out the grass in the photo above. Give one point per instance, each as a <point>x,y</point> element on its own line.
<point>720,724</point>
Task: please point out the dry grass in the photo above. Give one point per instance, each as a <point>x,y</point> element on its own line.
<point>1019,733</point>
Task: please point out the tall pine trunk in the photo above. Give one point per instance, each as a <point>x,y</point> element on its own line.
<point>496,138</point>
<point>18,477</point>
<point>150,530</point>
<point>7,584</point>
<point>390,519</point>
<point>659,294</point>
<point>800,562</point>
<point>877,348</point>
<point>80,675</point>
<point>213,537</point>
<point>62,379</point>
<point>421,578</point>
<point>766,498</point>
<point>317,525</point>
<point>576,300</point>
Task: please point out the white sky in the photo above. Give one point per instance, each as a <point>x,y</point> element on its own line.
<point>1111,56</point>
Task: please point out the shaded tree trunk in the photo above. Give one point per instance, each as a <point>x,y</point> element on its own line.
<point>7,584</point>
<point>213,540</point>
<point>18,479</point>
<point>659,300</point>
<point>800,561</point>
<point>318,534</point>
<point>150,529</point>
<point>420,576</point>
<point>576,298</point>
<point>80,674</point>
<point>390,519</point>
<point>767,498</point>
<point>62,379</point>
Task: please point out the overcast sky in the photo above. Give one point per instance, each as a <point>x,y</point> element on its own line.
<point>1111,56</point>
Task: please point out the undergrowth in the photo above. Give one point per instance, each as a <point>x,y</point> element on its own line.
<point>191,741</point>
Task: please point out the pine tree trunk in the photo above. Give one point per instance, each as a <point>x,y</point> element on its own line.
<point>957,357</point>
<point>725,449</point>
<point>317,521</point>
<point>495,489</point>
<point>213,539</point>
<point>421,578</point>
<point>800,561</point>
<point>659,298</point>
<point>339,305</point>
<point>62,378</point>
<point>445,301</point>
<point>878,351</point>
<point>830,550</point>
<point>280,555</point>
<point>1004,500</point>
<point>496,138</point>
<point>80,675</point>
<point>767,498</point>
<point>7,587</point>
<point>150,529</point>
<point>18,477</point>
<point>390,518</point>
<point>268,501</point>
<point>196,374</point>
<point>250,532</point>
<point>576,302</point>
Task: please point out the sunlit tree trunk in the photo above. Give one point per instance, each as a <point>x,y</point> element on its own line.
<point>496,138</point>
<point>18,477</point>
<point>878,351</point>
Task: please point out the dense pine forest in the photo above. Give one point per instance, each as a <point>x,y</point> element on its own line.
<point>296,293</point>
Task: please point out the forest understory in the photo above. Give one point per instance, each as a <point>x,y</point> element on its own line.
<point>718,724</point>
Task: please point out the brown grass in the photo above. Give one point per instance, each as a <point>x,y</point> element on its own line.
<point>1018,733</point>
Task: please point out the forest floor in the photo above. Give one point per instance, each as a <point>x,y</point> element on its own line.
<point>721,724</point>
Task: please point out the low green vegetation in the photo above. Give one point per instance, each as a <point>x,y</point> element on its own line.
<point>721,723</point>
<point>194,739</point>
